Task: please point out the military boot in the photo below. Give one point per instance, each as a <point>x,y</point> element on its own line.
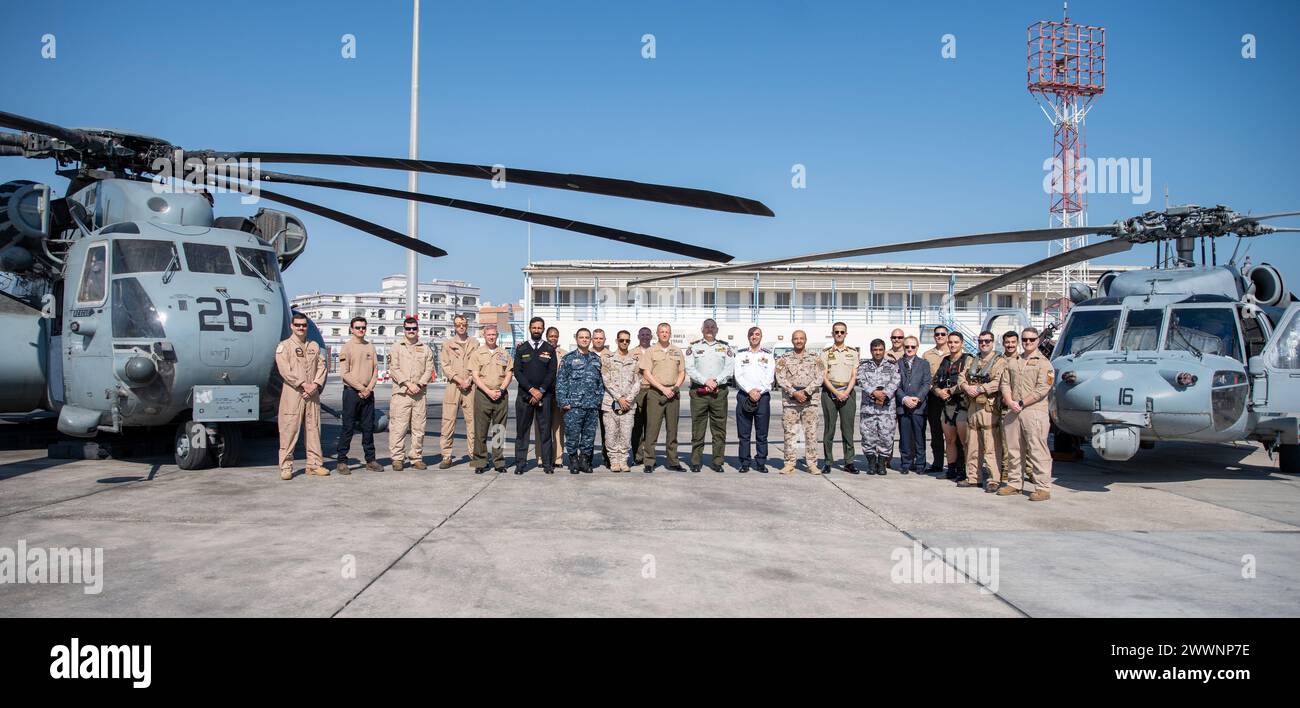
<point>789,468</point>
<point>1040,495</point>
<point>342,468</point>
<point>318,471</point>
<point>419,465</point>
<point>397,465</point>
<point>286,474</point>
<point>374,466</point>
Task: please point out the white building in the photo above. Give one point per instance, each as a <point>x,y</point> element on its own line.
<point>871,298</point>
<point>384,310</point>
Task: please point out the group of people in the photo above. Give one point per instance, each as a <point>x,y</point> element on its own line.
<point>986,414</point>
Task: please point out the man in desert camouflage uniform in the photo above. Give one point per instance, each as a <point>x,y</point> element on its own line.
<point>799,375</point>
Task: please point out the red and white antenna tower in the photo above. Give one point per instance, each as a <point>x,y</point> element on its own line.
<point>1067,70</point>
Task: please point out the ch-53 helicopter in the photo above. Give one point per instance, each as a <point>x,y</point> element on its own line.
<point>1180,352</point>
<point>135,305</point>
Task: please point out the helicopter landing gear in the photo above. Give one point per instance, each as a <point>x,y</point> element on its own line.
<point>230,445</point>
<point>1288,459</point>
<point>192,448</point>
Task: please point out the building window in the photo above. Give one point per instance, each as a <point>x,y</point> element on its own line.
<point>826,300</point>
<point>335,330</point>
<point>848,301</point>
<point>334,315</point>
<point>783,300</point>
<point>1004,302</point>
<point>381,330</point>
<point>709,298</point>
<point>467,301</point>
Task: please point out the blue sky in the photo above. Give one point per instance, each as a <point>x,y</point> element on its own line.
<point>898,142</point>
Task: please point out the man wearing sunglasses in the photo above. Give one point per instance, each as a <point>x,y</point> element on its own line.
<point>896,339</point>
<point>644,338</point>
<point>302,367</point>
<point>411,370</point>
<point>359,369</point>
<point>981,382</point>
<point>839,399</point>
<point>621,374</point>
<point>934,405</point>
<point>1026,384</point>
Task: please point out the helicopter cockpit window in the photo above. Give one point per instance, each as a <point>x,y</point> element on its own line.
<point>94,277</point>
<point>1286,351</point>
<point>1142,330</point>
<point>141,256</point>
<point>209,258</point>
<point>1204,330</point>
<point>261,259</point>
<point>1089,330</point>
<point>134,315</point>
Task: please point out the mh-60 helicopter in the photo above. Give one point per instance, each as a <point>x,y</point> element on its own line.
<point>1181,352</point>
<point>135,305</point>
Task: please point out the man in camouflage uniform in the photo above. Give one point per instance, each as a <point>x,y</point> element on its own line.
<point>878,378</point>
<point>621,373</point>
<point>980,382</point>
<point>579,389</point>
<point>799,374</point>
<point>710,365</point>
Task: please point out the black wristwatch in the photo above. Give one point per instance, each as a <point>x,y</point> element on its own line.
<point>1021,402</point>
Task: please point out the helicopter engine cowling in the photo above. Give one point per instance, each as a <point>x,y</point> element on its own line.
<point>1267,287</point>
<point>24,223</point>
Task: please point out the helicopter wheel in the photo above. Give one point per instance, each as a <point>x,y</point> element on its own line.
<point>230,445</point>
<point>188,455</point>
<point>1288,459</point>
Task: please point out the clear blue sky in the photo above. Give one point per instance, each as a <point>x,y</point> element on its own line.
<point>899,143</point>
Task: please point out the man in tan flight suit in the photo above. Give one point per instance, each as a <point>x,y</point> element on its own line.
<point>411,371</point>
<point>302,366</point>
<point>980,382</point>
<point>1026,383</point>
<point>1010,352</point>
<point>458,396</point>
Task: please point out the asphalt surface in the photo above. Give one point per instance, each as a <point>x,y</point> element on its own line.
<point>1181,530</point>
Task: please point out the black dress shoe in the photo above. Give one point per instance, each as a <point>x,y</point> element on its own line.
<point>696,468</point>
<point>573,469</point>
<point>934,469</point>
<point>586,464</point>
<point>677,467</point>
<point>547,469</point>
<point>649,469</point>
<point>716,468</point>
<point>826,468</point>
<point>851,468</point>
<point>479,470</point>
<point>502,470</point>
<point>762,468</point>
<point>744,467</point>
<point>519,469</point>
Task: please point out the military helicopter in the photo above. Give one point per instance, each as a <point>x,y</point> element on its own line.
<point>1183,351</point>
<point>133,304</point>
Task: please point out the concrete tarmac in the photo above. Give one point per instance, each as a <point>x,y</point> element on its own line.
<point>1179,531</point>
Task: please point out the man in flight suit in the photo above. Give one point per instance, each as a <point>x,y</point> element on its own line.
<point>980,382</point>
<point>302,367</point>
<point>1026,383</point>
<point>359,368</point>
<point>411,370</point>
<point>458,396</point>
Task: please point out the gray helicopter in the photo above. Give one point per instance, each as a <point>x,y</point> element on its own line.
<point>132,304</point>
<point>1180,352</point>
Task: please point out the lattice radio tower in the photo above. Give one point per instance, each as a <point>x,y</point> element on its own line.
<point>1067,70</point>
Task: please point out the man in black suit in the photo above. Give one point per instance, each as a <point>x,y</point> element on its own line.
<point>913,389</point>
<point>535,367</point>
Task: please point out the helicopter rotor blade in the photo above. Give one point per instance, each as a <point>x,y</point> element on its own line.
<point>1263,217</point>
<point>423,248</point>
<point>1093,250</point>
<point>1026,236</point>
<point>1283,230</point>
<point>76,138</point>
<point>627,189</point>
<point>655,242</point>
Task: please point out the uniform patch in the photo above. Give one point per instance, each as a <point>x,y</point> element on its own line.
<point>298,351</point>
<point>525,357</point>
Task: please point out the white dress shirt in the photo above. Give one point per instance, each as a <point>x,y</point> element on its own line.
<point>755,370</point>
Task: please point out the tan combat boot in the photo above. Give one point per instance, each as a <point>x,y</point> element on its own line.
<point>813,467</point>
<point>1040,495</point>
<point>374,466</point>
<point>788,469</point>
<point>418,465</point>
<point>342,468</point>
<point>1008,491</point>
<point>286,475</point>
<point>318,471</point>
<point>397,465</point>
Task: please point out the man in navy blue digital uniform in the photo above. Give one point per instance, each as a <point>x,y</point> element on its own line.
<point>579,388</point>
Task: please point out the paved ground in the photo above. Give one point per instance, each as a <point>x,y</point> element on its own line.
<point>1170,533</point>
